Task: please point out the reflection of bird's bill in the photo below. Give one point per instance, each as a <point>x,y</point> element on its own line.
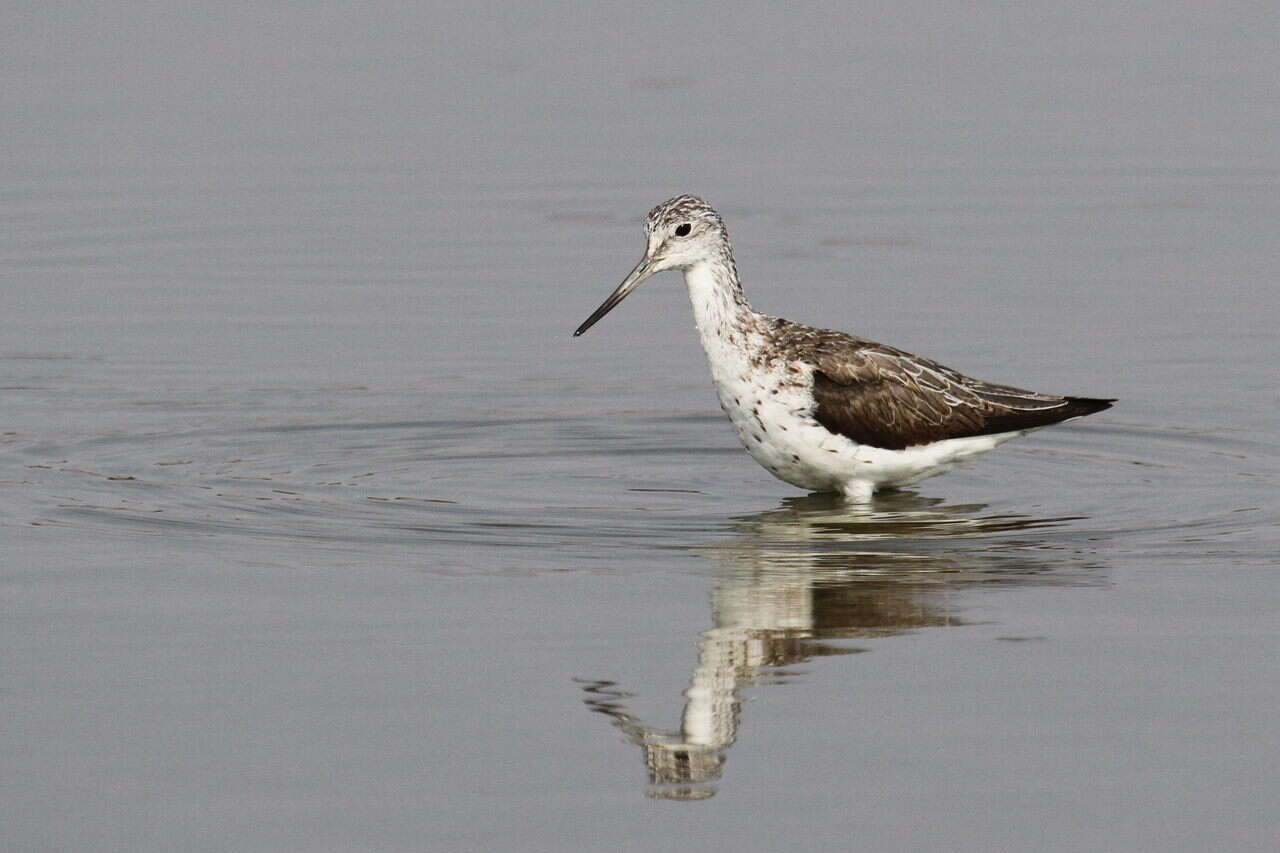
<point>790,584</point>
<point>679,768</point>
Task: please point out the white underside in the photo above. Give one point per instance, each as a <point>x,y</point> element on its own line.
<point>780,433</point>
<point>771,405</point>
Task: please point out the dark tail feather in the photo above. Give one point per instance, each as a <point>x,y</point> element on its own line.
<point>1013,421</point>
<point>1080,406</point>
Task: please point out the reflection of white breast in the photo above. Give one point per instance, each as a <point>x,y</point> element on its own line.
<point>753,602</point>
<point>749,615</point>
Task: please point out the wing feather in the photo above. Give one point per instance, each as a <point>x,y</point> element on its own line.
<point>884,397</point>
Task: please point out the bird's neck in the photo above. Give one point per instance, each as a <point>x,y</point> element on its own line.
<point>719,305</point>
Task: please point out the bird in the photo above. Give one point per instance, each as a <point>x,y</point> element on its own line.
<point>820,409</point>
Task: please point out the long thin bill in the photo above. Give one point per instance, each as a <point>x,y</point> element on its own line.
<point>639,274</point>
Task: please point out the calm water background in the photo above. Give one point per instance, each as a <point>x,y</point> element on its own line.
<point>320,533</point>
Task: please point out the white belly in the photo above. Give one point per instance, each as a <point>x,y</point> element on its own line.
<point>772,412</point>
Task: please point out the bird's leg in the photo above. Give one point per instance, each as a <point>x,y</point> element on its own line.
<point>858,490</point>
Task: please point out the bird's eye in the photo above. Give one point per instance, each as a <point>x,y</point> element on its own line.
<point>683,229</point>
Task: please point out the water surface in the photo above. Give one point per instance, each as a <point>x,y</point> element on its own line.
<point>321,533</point>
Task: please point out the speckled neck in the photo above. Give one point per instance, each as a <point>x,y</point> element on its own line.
<point>719,305</point>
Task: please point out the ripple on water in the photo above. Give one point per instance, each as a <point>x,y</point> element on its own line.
<point>494,494</point>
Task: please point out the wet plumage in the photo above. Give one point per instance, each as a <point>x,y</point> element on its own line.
<point>822,409</point>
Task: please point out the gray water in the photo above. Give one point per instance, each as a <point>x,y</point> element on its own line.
<point>320,533</point>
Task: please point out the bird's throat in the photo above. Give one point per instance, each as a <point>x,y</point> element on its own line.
<point>719,305</point>
<point>726,321</point>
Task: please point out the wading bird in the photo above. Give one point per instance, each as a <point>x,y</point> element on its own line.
<point>825,410</point>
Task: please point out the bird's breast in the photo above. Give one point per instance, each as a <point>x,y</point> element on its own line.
<point>770,403</point>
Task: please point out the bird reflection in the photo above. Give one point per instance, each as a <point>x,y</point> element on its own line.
<point>801,581</point>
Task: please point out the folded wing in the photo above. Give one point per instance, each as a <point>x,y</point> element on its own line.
<point>877,395</point>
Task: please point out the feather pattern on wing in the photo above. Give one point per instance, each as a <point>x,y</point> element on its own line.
<point>884,397</point>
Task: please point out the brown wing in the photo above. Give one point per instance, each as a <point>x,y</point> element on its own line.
<point>881,396</point>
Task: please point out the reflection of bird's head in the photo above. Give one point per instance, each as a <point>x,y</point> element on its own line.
<point>814,571</point>
<point>681,771</point>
